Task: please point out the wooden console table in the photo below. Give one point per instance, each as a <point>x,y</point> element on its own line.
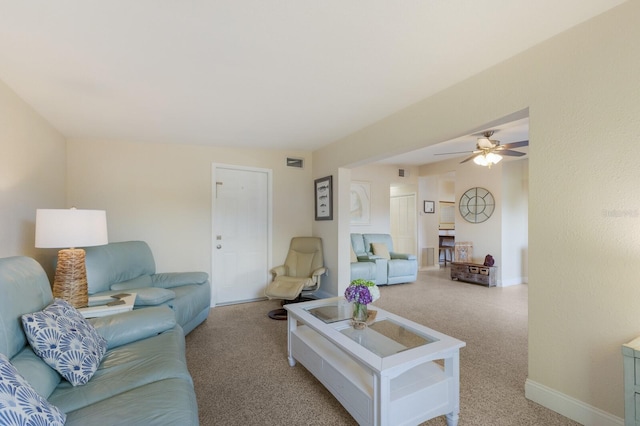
<point>474,273</point>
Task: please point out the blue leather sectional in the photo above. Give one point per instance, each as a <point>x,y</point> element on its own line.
<point>142,378</point>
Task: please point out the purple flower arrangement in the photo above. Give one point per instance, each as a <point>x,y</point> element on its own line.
<point>362,292</point>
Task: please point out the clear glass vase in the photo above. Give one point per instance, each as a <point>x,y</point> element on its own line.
<point>360,313</point>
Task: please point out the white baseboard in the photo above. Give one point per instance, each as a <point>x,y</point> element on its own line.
<point>513,281</point>
<point>572,408</point>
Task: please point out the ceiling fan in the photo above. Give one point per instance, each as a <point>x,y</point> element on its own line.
<point>489,151</point>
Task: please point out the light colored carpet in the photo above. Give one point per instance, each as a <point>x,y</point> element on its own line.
<point>238,359</point>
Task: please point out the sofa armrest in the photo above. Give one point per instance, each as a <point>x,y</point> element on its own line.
<point>369,258</point>
<point>178,279</point>
<point>404,256</point>
<point>134,325</point>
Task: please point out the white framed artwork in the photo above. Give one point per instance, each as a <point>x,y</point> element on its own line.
<point>360,203</point>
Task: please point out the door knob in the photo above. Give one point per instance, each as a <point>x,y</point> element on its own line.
<point>219,246</point>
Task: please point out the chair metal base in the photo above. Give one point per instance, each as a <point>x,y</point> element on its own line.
<point>281,314</point>
<point>278,314</point>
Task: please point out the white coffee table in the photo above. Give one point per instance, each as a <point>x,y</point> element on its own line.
<point>384,374</point>
<point>98,305</point>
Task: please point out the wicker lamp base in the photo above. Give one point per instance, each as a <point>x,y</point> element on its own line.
<point>70,282</point>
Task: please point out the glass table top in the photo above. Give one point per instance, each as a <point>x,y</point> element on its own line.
<point>384,337</point>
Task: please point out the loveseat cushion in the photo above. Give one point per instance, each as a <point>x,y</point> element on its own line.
<point>190,301</point>
<point>138,282</point>
<point>117,262</point>
<point>20,404</point>
<point>65,340</point>
<point>177,279</point>
<point>152,296</point>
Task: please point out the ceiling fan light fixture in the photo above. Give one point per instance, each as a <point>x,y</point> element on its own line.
<point>481,160</point>
<point>488,159</point>
<point>493,158</point>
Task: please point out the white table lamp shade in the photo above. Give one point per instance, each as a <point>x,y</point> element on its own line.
<point>71,229</point>
<point>58,228</point>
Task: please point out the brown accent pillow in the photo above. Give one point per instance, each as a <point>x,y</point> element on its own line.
<point>380,249</point>
<point>354,258</point>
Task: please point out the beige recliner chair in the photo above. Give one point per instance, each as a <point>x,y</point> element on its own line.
<point>300,274</point>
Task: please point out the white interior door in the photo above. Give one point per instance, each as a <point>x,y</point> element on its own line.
<point>403,223</point>
<point>241,234</point>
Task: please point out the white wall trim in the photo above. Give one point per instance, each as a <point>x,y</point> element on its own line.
<point>512,281</point>
<point>572,408</point>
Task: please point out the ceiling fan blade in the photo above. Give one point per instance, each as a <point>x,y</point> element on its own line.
<point>471,158</point>
<point>450,153</point>
<point>511,153</point>
<point>515,144</point>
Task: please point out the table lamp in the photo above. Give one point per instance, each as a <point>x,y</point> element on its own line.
<point>62,228</point>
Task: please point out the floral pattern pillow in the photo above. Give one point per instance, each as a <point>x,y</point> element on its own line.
<point>66,341</point>
<point>20,404</point>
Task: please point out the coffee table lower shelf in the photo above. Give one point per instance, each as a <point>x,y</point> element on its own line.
<point>414,395</point>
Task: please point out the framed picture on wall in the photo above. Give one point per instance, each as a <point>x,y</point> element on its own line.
<point>360,203</point>
<point>429,206</point>
<point>324,198</point>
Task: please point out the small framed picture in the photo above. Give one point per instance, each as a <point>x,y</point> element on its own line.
<point>429,206</point>
<point>324,198</point>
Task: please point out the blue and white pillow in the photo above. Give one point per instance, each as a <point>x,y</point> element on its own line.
<point>66,341</point>
<point>20,404</point>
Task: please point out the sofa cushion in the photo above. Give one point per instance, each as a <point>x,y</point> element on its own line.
<point>21,404</point>
<point>25,288</point>
<point>380,249</point>
<point>128,367</point>
<point>38,373</point>
<point>148,322</point>
<point>138,282</point>
<point>165,402</point>
<point>65,340</point>
<point>177,279</point>
<point>152,296</point>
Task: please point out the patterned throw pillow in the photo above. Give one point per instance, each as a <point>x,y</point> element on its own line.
<point>66,341</point>
<point>20,404</point>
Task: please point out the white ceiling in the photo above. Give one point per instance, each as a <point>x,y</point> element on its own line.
<point>255,73</point>
<point>511,131</point>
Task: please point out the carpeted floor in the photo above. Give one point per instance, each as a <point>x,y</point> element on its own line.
<point>238,359</point>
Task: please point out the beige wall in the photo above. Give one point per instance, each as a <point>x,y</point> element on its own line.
<point>162,194</point>
<point>581,89</point>
<point>32,175</point>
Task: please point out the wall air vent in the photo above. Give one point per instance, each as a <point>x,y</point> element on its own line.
<point>295,162</point>
<point>401,172</point>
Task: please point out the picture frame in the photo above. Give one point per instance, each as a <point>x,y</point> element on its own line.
<point>360,208</point>
<point>323,188</point>
<point>429,206</point>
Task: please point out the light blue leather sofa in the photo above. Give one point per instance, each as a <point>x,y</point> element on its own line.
<point>142,379</point>
<point>129,266</point>
<point>364,265</point>
<point>398,268</point>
